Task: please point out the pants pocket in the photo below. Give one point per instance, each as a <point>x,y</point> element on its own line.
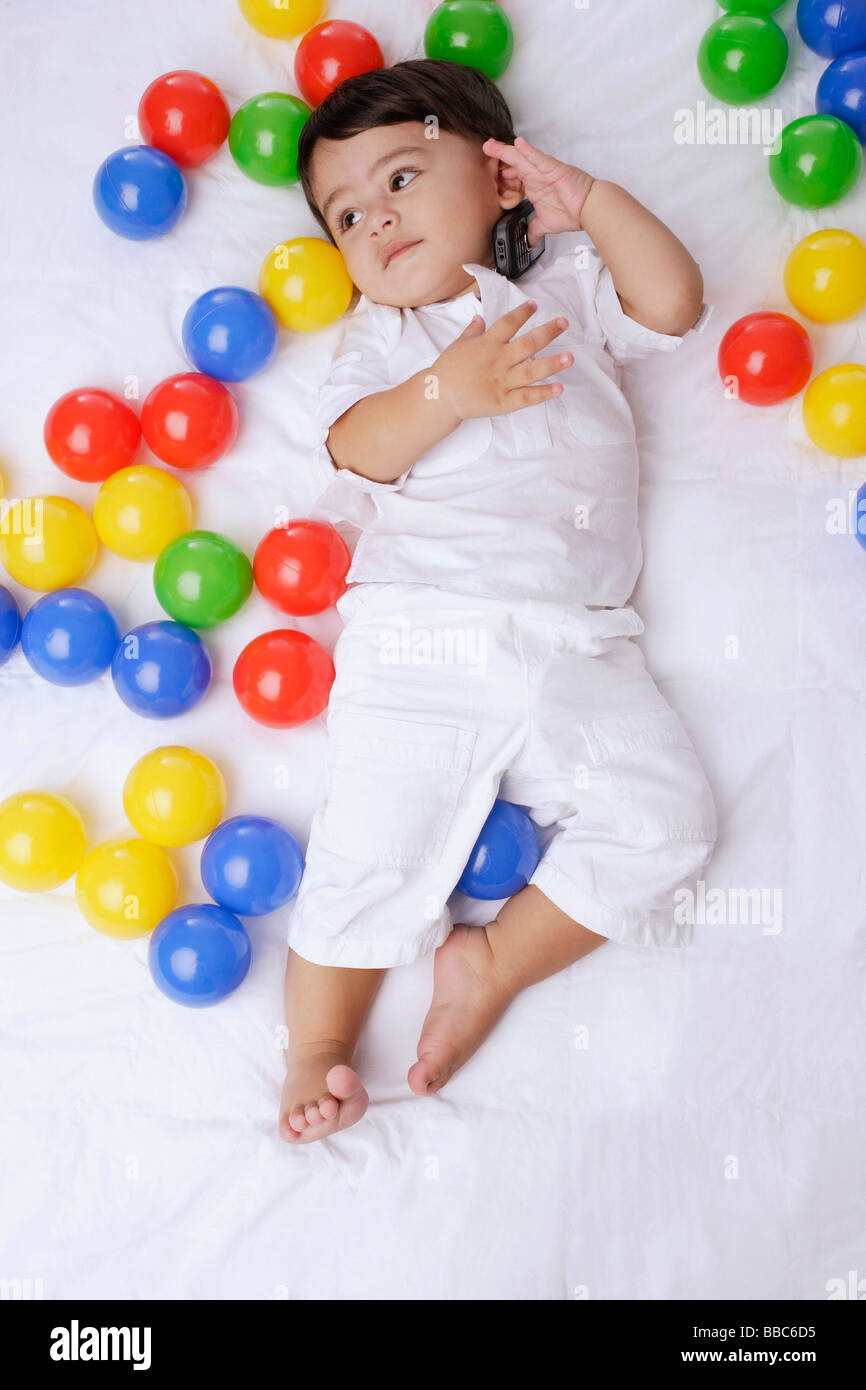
<point>659,787</point>
<point>393,787</point>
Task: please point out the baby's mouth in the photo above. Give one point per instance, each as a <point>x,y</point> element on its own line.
<point>398,249</point>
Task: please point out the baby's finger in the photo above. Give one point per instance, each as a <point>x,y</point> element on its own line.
<point>504,328</point>
<point>535,231</point>
<point>513,157</point>
<point>526,373</point>
<point>530,395</point>
<point>498,147</point>
<point>527,344</point>
<point>543,163</point>
<point>474,329</point>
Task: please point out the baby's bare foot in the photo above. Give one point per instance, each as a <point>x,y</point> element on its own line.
<point>322,1094</point>
<point>468,998</point>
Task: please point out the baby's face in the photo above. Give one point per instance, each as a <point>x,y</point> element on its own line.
<point>390,186</point>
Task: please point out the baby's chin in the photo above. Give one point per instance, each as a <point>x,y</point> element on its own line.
<point>417,290</point>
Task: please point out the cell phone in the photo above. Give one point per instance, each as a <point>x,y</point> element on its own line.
<point>511,247</point>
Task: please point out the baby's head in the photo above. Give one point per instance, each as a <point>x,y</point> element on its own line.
<point>394,156</point>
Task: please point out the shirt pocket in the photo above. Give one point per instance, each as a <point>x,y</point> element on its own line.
<point>591,407</point>
<point>656,780</point>
<point>393,788</point>
<point>467,442</point>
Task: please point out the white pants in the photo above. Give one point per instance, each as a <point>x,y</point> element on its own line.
<point>444,702</point>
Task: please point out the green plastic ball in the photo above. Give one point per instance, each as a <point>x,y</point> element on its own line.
<point>263,137</point>
<point>818,160</point>
<point>742,57</point>
<point>201,579</point>
<point>475,33</point>
<point>752,6</point>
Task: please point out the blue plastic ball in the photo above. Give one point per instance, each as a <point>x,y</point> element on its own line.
<point>10,624</point>
<point>251,865</point>
<point>505,856</point>
<point>832,27</point>
<point>860,523</point>
<point>69,637</point>
<point>139,192</point>
<point>842,91</point>
<point>161,669</point>
<point>230,333</point>
<point>199,954</point>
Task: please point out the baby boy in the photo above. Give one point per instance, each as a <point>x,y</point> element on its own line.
<point>474,438</point>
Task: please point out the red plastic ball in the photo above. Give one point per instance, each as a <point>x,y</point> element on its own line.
<point>185,115</point>
<point>283,678</point>
<point>331,52</point>
<point>301,567</point>
<point>189,420</point>
<point>769,355</point>
<point>90,434</point>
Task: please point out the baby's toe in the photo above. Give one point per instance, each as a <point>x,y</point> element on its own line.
<point>344,1083</point>
<point>286,1131</point>
<point>328,1106</point>
<point>298,1119</point>
<point>420,1075</point>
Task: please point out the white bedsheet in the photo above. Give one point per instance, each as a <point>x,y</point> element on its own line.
<point>708,1142</point>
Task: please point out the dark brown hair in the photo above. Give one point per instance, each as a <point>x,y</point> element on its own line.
<point>463,100</point>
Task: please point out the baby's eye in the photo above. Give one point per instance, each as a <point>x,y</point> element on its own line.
<point>344,225</point>
<point>403,174</point>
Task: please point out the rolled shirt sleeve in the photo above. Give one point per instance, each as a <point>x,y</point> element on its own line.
<point>359,369</point>
<point>587,290</point>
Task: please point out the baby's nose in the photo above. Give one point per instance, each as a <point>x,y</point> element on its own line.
<point>382,219</point>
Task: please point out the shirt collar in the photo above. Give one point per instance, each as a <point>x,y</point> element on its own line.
<point>489,282</point>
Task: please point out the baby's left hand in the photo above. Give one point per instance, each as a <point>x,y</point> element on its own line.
<point>557,191</point>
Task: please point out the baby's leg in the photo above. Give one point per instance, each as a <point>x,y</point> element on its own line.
<point>477,972</point>
<point>325,1009</point>
<point>532,938</point>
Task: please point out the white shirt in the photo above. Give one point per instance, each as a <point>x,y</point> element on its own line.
<point>540,503</point>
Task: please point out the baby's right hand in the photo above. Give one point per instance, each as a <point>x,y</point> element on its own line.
<point>487,371</point>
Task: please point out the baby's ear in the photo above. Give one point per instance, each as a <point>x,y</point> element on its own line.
<point>508,190</point>
<point>510,196</point>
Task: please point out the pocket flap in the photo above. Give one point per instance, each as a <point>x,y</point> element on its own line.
<point>405,741</point>
<point>592,408</point>
<point>620,734</point>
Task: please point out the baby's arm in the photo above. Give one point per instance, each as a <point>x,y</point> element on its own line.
<point>381,435</point>
<point>483,372</point>
<point>657,281</point>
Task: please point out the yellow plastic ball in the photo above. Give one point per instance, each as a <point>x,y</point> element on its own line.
<point>174,796</point>
<point>281,19</point>
<point>834,410</point>
<point>825,275</point>
<point>124,888</point>
<point>47,542</point>
<point>306,283</point>
<point>42,841</point>
<point>138,510</point>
